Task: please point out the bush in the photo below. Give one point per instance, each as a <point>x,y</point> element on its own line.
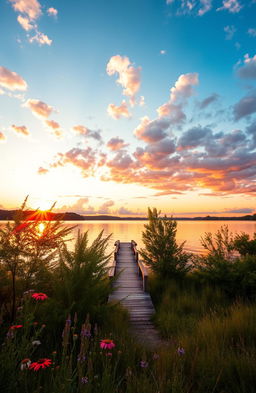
<point>162,253</point>
<point>244,245</point>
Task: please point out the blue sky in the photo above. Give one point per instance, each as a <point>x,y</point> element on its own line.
<point>110,107</point>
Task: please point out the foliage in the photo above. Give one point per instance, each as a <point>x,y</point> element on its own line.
<point>219,246</point>
<point>244,245</point>
<point>81,283</point>
<point>162,253</point>
<point>26,253</point>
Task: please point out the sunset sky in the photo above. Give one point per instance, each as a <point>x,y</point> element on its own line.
<point>113,106</point>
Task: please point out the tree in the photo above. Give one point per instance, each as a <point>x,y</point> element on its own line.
<point>244,245</point>
<point>162,253</point>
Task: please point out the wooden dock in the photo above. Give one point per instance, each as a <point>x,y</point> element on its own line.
<point>131,286</point>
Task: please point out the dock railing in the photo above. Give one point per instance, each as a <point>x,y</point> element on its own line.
<point>112,268</point>
<point>142,269</point>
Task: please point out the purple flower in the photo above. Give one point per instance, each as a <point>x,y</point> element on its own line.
<point>68,322</point>
<point>181,351</point>
<point>155,356</point>
<point>85,333</point>
<point>81,358</point>
<point>84,380</point>
<point>143,364</point>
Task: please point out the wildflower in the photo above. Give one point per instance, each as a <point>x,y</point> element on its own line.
<point>35,323</point>
<point>36,343</point>
<point>39,296</point>
<point>85,333</point>
<point>155,356</point>
<point>25,363</point>
<point>181,351</point>
<point>109,354</point>
<point>81,358</point>
<point>143,364</point>
<point>41,363</point>
<point>29,292</point>
<point>68,322</point>
<point>84,380</point>
<point>75,336</point>
<point>14,327</point>
<point>107,344</point>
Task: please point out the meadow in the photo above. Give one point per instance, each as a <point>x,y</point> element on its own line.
<point>59,333</point>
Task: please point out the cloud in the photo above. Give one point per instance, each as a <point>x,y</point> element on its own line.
<point>86,132</point>
<point>54,127</point>
<point>129,76</point>
<point>84,159</point>
<point>52,11</point>
<point>116,112</point>
<point>248,70</point>
<point>104,209</point>
<point>21,130</point>
<point>252,32</point>
<point>2,137</point>
<point>183,87</point>
<point>11,81</point>
<point>230,31</point>
<point>42,171</point>
<point>245,107</point>
<point>232,6</point>
<point>206,5</point>
<point>173,112</point>
<point>162,52</point>
<point>152,131</point>
<point>116,144</point>
<point>31,8</point>
<point>208,100</point>
<point>40,38</point>
<point>243,211</point>
<point>39,108</point>
<point>25,23</point>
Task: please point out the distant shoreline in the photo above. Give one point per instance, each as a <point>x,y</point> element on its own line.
<point>6,215</point>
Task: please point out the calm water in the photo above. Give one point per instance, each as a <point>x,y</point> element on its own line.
<point>189,231</point>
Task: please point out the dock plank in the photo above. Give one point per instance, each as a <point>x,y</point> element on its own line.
<point>129,292</point>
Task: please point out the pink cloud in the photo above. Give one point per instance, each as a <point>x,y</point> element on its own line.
<point>39,108</point>
<point>40,38</point>
<point>25,23</point>
<point>104,208</point>
<point>152,131</point>
<point>21,130</point>
<point>118,111</point>
<point>183,87</point>
<point>10,80</point>
<point>55,128</point>
<point>52,11</point>
<point>87,132</point>
<point>31,8</point>
<point>116,144</point>
<point>232,6</point>
<point>129,76</point>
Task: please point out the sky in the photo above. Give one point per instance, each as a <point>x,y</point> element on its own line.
<point>111,107</point>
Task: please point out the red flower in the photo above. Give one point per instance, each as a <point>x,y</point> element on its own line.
<point>16,327</point>
<point>39,296</point>
<point>41,363</point>
<point>107,344</point>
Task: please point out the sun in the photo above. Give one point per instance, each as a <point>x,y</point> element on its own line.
<point>41,228</point>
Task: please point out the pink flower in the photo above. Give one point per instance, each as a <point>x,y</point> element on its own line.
<point>25,363</point>
<point>13,327</point>
<point>39,296</point>
<point>107,344</point>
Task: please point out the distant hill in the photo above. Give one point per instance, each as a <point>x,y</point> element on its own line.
<point>69,216</point>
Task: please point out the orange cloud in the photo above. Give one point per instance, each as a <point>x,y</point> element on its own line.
<point>39,108</point>
<point>54,127</point>
<point>118,111</point>
<point>10,80</point>
<point>42,171</point>
<point>183,87</point>
<point>87,132</point>
<point>21,130</point>
<point>2,137</point>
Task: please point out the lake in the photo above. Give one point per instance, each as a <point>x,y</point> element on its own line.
<point>188,231</point>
